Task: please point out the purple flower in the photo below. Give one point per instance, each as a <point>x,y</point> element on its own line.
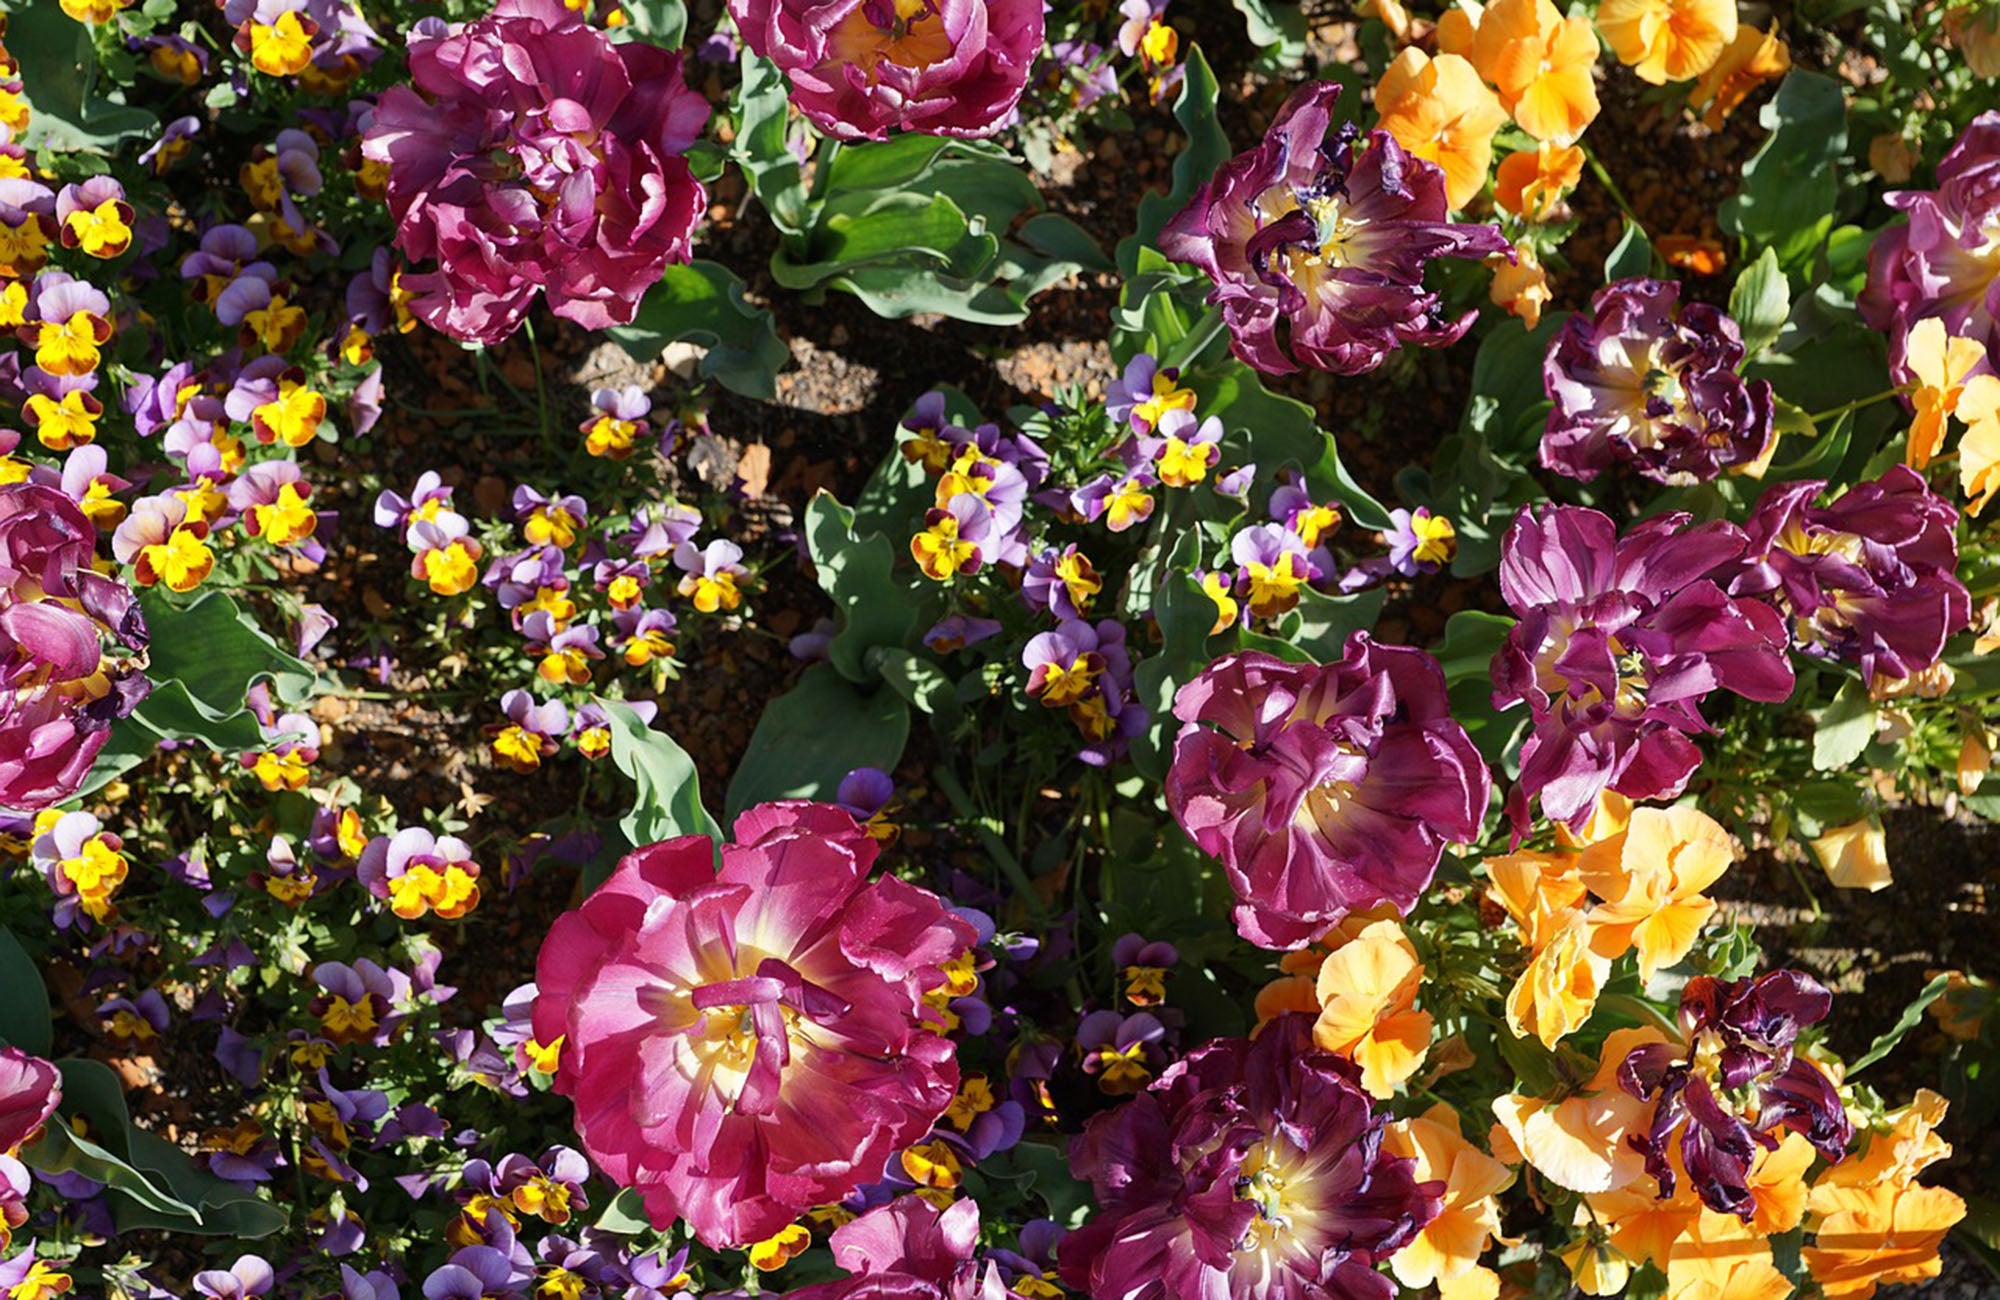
<point>910,1250</point>
<point>1253,1168</point>
<point>863,68</point>
<point>533,155</point>
<point>249,1277</point>
<point>1618,643</point>
<point>1941,264</point>
<point>1318,248</point>
<point>957,631</point>
<point>30,1090</point>
<point>1060,582</point>
<point>1323,789</point>
<point>1646,380</point>
<point>1738,1038</point>
<point>1869,578</point>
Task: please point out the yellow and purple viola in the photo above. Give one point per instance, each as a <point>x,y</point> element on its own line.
<point>1318,246</point>
<point>745,1044</point>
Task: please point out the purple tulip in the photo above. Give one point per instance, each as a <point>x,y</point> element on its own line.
<point>1254,1168</point>
<point>1869,578</point>
<point>1318,247</point>
<point>1618,643</point>
<point>863,68</point>
<point>30,1089</point>
<point>1940,264</point>
<point>1646,380</point>
<point>533,155</point>
<point>1323,789</point>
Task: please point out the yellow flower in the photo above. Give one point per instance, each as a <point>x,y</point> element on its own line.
<point>1941,365</point>
<point>62,425</point>
<point>342,1018</point>
<point>973,1099</point>
<point>1367,992</point>
<point>43,1281</point>
<point>293,417</point>
<point>450,570</point>
<point>1558,990</point>
<point>100,231</point>
<point>277,324</point>
<point>1520,287</point>
<point>1447,1251</point>
<point>1881,1234</point>
<point>612,437</point>
<point>1855,856</point>
<point>182,561</point>
<point>711,591</point>
<point>544,1059</point>
<point>933,1164</point>
<point>940,553</point>
<point>1650,877</point>
<point>1216,586</point>
<point>71,347</point>
<point>293,889</point>
<point>1537,890</point>
<point>281,770</point>
<point>281,48</point>
<point>1668,40</point>
<point>550,523</point>
<point>1439,110</point>
<point>286,521</point>
<point>95,13</point>
<point>1752,58</point>
<point>774,1252</point>
<point>1167,395</point>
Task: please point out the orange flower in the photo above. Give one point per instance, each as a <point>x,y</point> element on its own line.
<point>1367,995</point>
<point>1538,890</point>
<point>1751,59</point>
<point>1650,877</point>
<point>1447,1250</point>
<point>1693,253</point>
<point>1872,1222</point>
<point>1521,286</point>
<point>1530,184</point>
<point>1975,32</point>
<point>1961,1012</point>
<point>1540,62</point>
<point>1855,856</point>
<point>1668,40</point>
<point>1578,1142</point>
<point>1439,110</point>
<point>1722,1258</point>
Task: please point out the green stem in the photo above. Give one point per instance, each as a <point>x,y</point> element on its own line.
<point>1196,341</point>
<point>1857,404</point>
<point>1611,187</point>
<point>1009,865</point>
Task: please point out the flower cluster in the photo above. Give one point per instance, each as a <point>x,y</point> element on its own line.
<point>531,155</point>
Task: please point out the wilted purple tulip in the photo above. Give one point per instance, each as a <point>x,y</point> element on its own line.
<point>1940,264</point>
<point>1737,1044</point>
<point>1323,789</point>
<point>863,68</point>
<point>1869,577</point>
<point>533,155</point>
<point>1318,247</point>
<point>1646,380</point>
<point>30,1089</point>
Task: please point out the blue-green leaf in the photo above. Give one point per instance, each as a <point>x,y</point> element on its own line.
<point>815,734</point>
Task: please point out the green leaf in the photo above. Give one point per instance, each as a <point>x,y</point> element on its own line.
<point>919,681</point>
<point>703,303</point>
<point>1845,728</point>
<point>1276,27</point>
<point>764,106</point>
<point>1471,639</point>
<point>660,22</point>
<point>1045,1168</point>
<point>1632,255</point>
<point>1792,184</point>
<point>1325,622</point>
<point>858,573</point>
<point>205,655</point>
<point>216,1207</point>
<point>668,803</point>
<point>625,1216</point>
<point>24,1013</point>
<point>1272,430</point>
<point>1184,614</point>
<point>1760,301</point>
<point>91,1091</point>
<point>906,230</point>
<point>1885,1042</point>
<point>815,734</point>
<point>1206,150</point>
<point>59,75</point>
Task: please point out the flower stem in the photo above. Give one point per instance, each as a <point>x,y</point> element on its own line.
<point>1611,188</point>
<point>1857,404</point>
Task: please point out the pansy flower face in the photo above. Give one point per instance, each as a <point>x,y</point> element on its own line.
<point>1318,245</point>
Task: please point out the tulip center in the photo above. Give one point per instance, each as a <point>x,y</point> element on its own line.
<point>749,1026</point>
<point>1271,1178</point>
<point>907,33</point>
